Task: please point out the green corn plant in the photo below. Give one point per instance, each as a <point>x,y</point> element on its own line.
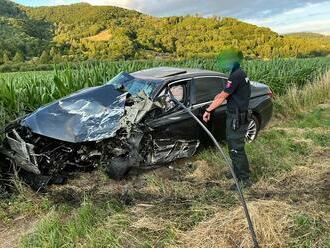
<point>26,91</point>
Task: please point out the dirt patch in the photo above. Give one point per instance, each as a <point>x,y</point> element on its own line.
<point>10,235</point>
<point>229,228</point>
<point>104,35</point>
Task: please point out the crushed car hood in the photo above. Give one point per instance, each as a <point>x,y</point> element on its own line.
<point>89,115</point>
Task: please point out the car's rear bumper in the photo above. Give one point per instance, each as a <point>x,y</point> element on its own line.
<point>265,111</point>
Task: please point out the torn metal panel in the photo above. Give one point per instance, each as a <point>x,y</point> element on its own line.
<point>136,112</point>
<point>167,150</point>
<point>22,153</point>
<point>134,139</point>
<point>89,115</point>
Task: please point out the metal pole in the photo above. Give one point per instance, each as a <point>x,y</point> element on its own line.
<point>228,162</point>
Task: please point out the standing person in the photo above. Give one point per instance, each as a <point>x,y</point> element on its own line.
<point>237,93</point>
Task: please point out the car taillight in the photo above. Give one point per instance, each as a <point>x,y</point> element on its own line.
<point>270,93</point>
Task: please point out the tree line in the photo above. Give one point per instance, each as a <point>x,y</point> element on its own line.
<point>83,32</point>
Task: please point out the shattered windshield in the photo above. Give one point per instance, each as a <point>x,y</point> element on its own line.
<point>133,85</point>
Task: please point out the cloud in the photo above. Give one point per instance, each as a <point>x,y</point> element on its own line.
<point>312,17</point>
<point>241,8</point>
<point>281,15</point>
<point>59,2</point>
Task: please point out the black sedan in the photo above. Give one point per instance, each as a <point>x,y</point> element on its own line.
<point>128,122</point>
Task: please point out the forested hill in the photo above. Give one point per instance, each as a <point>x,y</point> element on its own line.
<point>82,31</point>
<point>312,38</point>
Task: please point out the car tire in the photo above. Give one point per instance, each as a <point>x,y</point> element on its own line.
<point>253,130</point>
<point>118,168</point>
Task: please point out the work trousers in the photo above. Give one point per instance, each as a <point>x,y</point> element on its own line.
<point>236,143</point>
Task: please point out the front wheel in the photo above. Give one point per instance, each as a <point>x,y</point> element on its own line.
<point>253,129</point>
<point>118,168</point>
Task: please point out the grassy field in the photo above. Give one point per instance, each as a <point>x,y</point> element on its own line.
<point>188,204</point>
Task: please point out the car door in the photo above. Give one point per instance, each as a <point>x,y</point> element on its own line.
<point>204,89</point>
<point>175,122</point>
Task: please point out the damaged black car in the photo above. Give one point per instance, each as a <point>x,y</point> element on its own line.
<point>126,123</point>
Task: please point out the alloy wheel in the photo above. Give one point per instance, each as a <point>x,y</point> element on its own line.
<point>252,131</point>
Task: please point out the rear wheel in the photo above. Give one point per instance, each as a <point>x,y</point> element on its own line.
<point>253,129</point>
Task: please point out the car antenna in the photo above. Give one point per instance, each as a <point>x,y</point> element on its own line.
<point>227,161</point>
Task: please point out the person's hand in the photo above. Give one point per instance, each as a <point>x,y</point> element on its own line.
<point>206,116</point>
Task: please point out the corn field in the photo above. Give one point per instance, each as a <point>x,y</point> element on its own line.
<point>21,93</point>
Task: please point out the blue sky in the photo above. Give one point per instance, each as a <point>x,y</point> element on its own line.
<point>283,16</point>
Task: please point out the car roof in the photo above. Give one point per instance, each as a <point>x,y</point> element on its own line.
<point>172,73</point>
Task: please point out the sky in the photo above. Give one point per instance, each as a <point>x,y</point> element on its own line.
<point>282,16</point>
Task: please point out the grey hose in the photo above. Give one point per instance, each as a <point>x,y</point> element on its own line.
<point>228,162</point>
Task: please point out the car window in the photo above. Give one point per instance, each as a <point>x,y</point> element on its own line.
<point>207,88</point>
<point>178,92</point>
<point>134,85</point>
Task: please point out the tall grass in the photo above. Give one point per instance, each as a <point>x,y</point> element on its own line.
<point>24,92</point>
<point>298,99</point>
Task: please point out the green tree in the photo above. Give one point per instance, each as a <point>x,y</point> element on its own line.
<point>5,58</point>
<point>44,58</point>
<point>121,47</point>
<point>53,52</point>
<point>19,57</point>
<point>55,55</point>
<point>57,58</point>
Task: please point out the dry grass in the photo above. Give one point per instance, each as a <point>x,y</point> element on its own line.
<point>168,189</point>
<point>151,224</point>
<point>294,214</point>
<point>302,177</point>
<point>297,99</point>
<point>204,172</point>
<point>229,228</point>
<point>301,184</point>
